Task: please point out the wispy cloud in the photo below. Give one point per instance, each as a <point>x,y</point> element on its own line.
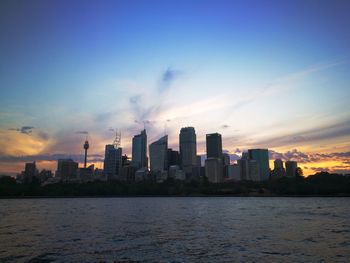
<point>24,129</point>
<point>82,132</point>
<point>51,157</point>
<point>169,76</point>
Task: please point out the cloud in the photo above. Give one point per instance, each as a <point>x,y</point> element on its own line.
<point>168,78</point>
<point>284,83</point>
<point>43,135</point>
<point>24,129</point>
<point>51,157</point>
<point>82,132</point>
<point>320,133</point>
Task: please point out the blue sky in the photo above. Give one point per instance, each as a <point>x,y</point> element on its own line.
<point>259,72</point>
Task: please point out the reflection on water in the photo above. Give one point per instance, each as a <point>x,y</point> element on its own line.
<point>175,230</point>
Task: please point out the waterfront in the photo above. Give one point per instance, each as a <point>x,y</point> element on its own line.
<point>175,229</point>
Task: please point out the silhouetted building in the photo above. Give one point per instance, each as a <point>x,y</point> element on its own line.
<point>128,173</point>
<point>214,145</point>
<point>291,168</point>
<point>244,168</point>
<point>112,165</point>
<point>139,150</point>
<point>254,171</point>
<point>278,168</point>
<point>44,175</point>
<point>30,172</point>
<point>188,149</point>
<point>173,157</point>
<point>67,169</point>
<point>158,152</point>
<point>234,172</point>
<point>213,170</point>
<point>86,174</point>
<point>262,158</point>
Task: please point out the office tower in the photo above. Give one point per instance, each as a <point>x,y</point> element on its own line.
<point>226,163</point>
<point>234,172</point>
<point>139,150</point>
<point>30,172</point>
<point>262,158</point>
<point>278,168</point>
<point>158,152</point>
<point>188,149</point>
<point>244,168</point>
<point>213,170</point>
<point>86,147</point>
<point>113,161</point>
<point>254,171</point>
<point>66,169</point>
<point>214,145</point>
<point>291,168</point>
<point>173,157</point>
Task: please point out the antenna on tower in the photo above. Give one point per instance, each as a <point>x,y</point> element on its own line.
<point>118,139</point>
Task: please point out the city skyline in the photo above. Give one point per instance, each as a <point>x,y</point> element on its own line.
<point>269,75</point>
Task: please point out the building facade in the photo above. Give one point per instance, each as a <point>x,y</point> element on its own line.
<point>213,170</point>
<point>139,150</point>
<point>262,158</point>
<point>291,168</point>
<point>158,152</point>
<point>188,149</point>
<point>214,145</point>
<point>112,165</point>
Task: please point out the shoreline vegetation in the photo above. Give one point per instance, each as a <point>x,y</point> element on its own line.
<point>319,185</point>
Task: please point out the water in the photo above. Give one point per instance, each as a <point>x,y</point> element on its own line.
<point>175,230</point>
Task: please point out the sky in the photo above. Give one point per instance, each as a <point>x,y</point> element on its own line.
<point>264,74</point>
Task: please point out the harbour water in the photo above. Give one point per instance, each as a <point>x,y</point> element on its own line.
<point>175,229</point>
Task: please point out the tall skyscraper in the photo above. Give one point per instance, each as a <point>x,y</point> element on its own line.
<point>30,172</point>
<point>244,168</point>
<point>158,152</point>
<point>213,170</point>
<point>214,145</point>
<point>139,150</point>
<point>262,158</point>
<point>291,168</point>
<point>188,149</point>
<point>278,168</point>
<point>112,162</point>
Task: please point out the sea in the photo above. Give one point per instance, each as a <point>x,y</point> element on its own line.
<point>175,229</point>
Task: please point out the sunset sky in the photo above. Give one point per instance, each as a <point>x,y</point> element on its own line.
<point>264,74</point>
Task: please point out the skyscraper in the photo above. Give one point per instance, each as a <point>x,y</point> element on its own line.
<point>213,170</point>
<point>113,161</point>
<point>262,158</point>
<point>139,150</point>
<point>188,149</point>
<point>30,172</point>
<point>214,145</point>
<point>158,152</point>
<point>291,168</point>
<point>278,168</point>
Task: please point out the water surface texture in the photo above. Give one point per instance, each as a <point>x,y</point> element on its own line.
<point>197,229</point>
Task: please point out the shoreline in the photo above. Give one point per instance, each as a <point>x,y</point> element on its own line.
<point>162,196</point>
